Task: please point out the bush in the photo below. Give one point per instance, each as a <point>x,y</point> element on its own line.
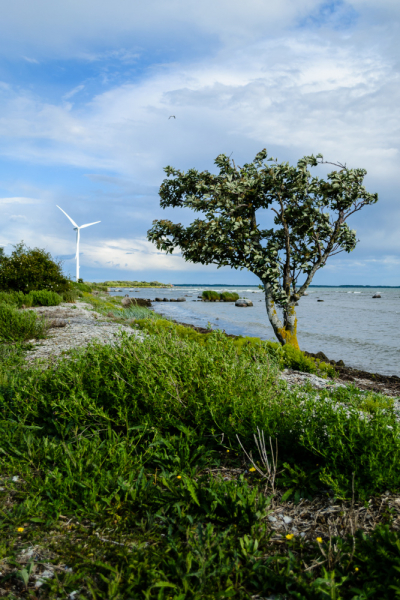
<point>43,298</point>
<point>70,296</point>
<point>291,358</point>
<point>12,298</point>
<point>16,325</point>
<point>229,296</point>
<point>29,270</point>
<point>210,295</point>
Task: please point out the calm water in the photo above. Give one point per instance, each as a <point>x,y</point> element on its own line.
<point>348,325</point>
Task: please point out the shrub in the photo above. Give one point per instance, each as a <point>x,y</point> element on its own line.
<point>70,296</point>
<point>210,295</point>
<point>292,358</point>
<point>43,298</point>
<point>16,325</point>
<point>229,296</point>
<point>31,269</point>
<point>12,298</point>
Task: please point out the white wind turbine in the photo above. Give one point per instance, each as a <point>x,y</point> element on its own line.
<point>78,230</point>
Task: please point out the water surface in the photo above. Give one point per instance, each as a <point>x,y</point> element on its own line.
<point>349,324</point>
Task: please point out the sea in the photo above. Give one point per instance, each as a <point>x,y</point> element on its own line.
<point>349,324</point>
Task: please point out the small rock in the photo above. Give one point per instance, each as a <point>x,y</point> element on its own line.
<point>287,520</point>
<point>159,300</point>
<point>320,300</point>
<point>181,299</point>
<point>165,299</point>
<point>243,302</point>
<point>377,295</point>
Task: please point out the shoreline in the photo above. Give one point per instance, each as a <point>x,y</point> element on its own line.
<point>364,380</point>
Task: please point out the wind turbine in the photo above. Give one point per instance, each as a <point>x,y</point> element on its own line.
<point>78,232</point>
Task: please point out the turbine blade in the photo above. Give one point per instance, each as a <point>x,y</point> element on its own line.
<point>72,221</point>
<point>89,224</point>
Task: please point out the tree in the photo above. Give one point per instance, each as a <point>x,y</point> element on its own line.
<point>31,269</point>
<point>310,225</point>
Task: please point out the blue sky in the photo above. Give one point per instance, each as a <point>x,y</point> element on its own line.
<point>86,89</point>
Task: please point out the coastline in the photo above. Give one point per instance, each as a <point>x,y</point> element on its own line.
<point>364,380</point>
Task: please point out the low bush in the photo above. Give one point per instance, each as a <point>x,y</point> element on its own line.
<point>229,296</point>
<point>12,298</point>
<point>210,295</point>
<point>287,356</point>
<point>71,296</point>
<point>17,325</point>
<point>43,298</point>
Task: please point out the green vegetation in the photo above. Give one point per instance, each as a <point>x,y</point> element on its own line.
<point>222,297</point>
<point>18,326</point>
<point>310,223</point>
<point>121,466</point>
<point>29,270</point>
<point>286,356</point>
<point>34,298</point>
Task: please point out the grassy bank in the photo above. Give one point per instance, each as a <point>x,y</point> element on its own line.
<point>122,468</point>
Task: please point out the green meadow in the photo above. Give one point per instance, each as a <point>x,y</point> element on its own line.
<point>135,471</point>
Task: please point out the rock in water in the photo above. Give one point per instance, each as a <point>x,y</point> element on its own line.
<point>377,295</point>
<point>243,302</point>
<point>181,299</point>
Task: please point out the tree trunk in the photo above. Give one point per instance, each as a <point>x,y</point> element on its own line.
<point>285,332</point>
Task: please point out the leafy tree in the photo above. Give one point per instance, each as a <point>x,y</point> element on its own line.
<point>310,225</point>
<point>31,269</point>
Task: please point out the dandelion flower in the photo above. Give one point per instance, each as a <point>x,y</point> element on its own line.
<point>179,477</point>
<point>252,470</point>
<point>356,569</point>
<point>227,450</point>
<point>20,529</point>
<point>290,536</point>
<point>319,540</point>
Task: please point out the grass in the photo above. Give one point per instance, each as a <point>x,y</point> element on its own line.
<point>122,469</point>
<point>16,326</point>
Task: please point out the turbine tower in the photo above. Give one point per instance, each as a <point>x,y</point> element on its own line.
<point>78,231</point>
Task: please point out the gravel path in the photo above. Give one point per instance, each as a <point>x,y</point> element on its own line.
<point>73,326</point>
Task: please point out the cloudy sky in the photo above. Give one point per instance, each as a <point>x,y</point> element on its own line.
<point>87,88</point>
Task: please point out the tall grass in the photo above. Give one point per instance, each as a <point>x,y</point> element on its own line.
<point>16,325</point>
<point>115,453</point>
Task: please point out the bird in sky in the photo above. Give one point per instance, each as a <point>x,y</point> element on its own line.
<point>172,117</point>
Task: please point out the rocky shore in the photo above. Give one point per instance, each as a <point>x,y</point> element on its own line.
<point>73,326</point>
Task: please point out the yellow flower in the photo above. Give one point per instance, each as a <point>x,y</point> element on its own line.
<point>179,477</point>
<point>20,529</point>
<point>356,569</point>
<point>290,536</point>
<point>227,450</point>
<point>319,540</point>
<point>252,470</point>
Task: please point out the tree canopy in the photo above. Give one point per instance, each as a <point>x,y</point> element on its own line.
<point>309,225</point>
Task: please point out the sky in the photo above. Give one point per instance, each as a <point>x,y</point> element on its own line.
<point>87,88</point>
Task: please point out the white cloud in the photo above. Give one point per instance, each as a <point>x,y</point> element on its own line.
<point>76,89</point>
<point>19,200</point>
<point>31,60</point>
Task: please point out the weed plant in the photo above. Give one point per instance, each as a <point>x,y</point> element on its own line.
<point>16,325</point>
<point>107,465</point>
